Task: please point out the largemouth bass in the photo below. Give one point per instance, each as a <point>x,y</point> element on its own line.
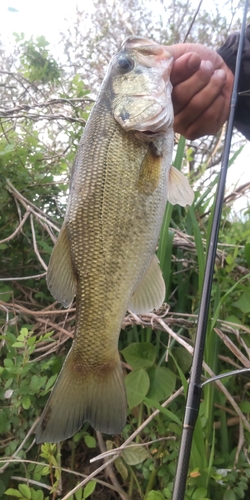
<point>121,180</point>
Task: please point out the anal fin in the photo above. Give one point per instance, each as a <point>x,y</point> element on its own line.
<point>150,293</point>
<point>61,279</point>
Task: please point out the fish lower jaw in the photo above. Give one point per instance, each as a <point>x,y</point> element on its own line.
<point>148,135</point>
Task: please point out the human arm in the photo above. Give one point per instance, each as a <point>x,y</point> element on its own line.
<point>229,53</point>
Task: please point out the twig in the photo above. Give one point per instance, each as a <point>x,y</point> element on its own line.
<point>241,443</point>
<point>26,107</point>
<point>15,455</point>
<point>21,278</point>
<point>109,453</point>
<point>233,348</point>
<point>43,312</point>
<point>36,116</point>
<point>31,481</point>
<point>193,20</point>
<point>28,205</point>
<point>12,459</point>
<point>109,469</point>
<point>35,244</point>
<point>5,326</point>
<point>19,227</point>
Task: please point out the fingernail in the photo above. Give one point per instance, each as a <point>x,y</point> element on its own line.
<point>207,65</point>
<point>220,73</point>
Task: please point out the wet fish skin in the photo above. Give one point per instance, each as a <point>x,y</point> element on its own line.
<point>120,183</point>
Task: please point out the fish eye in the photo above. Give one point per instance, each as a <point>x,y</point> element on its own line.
<point>125,64</point>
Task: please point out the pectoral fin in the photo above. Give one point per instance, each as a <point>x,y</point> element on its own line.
<point>179,191</point>
<point>61,279</point>
<point>150,293</point>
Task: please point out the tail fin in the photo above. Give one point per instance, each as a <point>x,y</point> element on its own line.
<point>77,396</point>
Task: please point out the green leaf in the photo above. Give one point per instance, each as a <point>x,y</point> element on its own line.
<point>24,333</point>
<point>167,492</point>
<point>2,486</point>
<point>90,441</point>
<point>182,357</point>
<point>247,253</point>
<point>121,468</point>
<point>26,403</point>
<point>239,492</point>
<point>230,259</point>
<point>135,455</point>
<point>165,411</point>
<point>36,383</point>
<point>45,471</point>
<point>25,490</point>
<point>229,495</point>
<point>137,385</point>
<point>243,303</point>
<point>162,383</point>
<point>89,488</point>
<point>245,406</point>
<point>3,421</point>
<point>199,494</point>
<point>18,345</point>
<point>155,495</point>
<point>51,382</point>
<point>139,355</point>
<point>5,293</point>
<point>37,494</point>
<point>78,494</point>
<point>8,363</point>
<point>8,149</point>
<point>233,319</point>
<point>13,493</point>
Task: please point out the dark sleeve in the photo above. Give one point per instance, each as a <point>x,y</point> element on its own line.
<point>228,52</point>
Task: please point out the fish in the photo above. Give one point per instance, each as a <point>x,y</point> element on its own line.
<point>105,253</point>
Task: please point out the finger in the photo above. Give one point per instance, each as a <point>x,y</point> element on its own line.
<point>184,67</point>
<point>202,100</point>
<point>185,91</point>
<point>209,123</point>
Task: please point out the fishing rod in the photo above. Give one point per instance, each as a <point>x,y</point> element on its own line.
<point>195,387</point>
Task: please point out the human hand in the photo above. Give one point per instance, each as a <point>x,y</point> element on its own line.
<point>202,87</point>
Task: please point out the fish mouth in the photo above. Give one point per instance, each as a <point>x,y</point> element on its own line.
<point>142,96</point>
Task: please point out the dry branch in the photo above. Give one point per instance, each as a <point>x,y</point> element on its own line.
<point>9,112</point>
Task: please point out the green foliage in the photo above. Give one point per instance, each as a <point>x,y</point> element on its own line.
<point>24,492</point>
<point>140,354</point>
<point>37,64</point>
<point>21,381</point>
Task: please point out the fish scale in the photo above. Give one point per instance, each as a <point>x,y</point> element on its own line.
<point>120,182</point>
